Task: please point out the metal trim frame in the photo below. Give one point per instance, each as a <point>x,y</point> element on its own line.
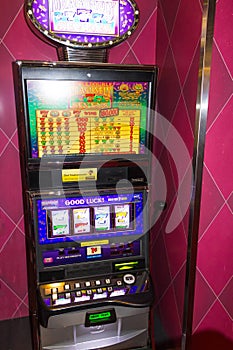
<point>198,159</point>
<point>66,53</point>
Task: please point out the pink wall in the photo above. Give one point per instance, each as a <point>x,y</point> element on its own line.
<point>178,39</point>
<point>213,316</point>
<point>139,49</point>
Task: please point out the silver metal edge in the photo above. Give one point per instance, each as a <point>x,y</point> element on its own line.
<point>202,102</point>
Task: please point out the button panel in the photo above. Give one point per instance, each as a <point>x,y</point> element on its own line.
<point>83,290</point>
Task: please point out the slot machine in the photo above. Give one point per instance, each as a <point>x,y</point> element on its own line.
<point>85,142</point>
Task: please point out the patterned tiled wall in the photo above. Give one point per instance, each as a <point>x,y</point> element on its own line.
<point>178,39</point>
<point>213,308</point>
<point>178,35</point>
<point>18,42</point>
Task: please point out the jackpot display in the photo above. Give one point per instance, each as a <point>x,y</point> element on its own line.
<point>88,24</point>
<point>96,117</point>
<point>89,17</point>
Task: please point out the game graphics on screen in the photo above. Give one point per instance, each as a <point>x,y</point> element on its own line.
<point>87,117</point>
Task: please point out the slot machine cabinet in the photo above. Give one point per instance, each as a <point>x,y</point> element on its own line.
<point>84,138</point>
<point>96,293</point>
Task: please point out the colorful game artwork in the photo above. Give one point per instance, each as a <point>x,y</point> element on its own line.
<point>89,218</point>
<point>94,251</point>
<point>92,17</point>
<point>102,218</point>
<point>81,219</point>
<point>84,23</point>
<point>122,216</point>
<point>60,223</point>
<point>78,118</point>
<point>63,132</point>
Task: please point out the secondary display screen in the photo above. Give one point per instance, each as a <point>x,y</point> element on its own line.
<point>100,318</point>
<point>99,17</point>
<point>88,218</point>
<point>79,117</point>
<point>85,24</point>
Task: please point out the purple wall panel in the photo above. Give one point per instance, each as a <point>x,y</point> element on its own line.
<point>178,59</point>
<point>178,38</point>
<point>213,315</point>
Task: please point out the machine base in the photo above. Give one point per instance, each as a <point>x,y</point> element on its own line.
<point>67,331</point>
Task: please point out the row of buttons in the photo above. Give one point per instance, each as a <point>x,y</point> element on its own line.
<point>65,287</point>
<point>87,295</point>
<point>80,293</point>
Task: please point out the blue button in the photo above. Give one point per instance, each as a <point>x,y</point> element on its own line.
<point>133,289</point>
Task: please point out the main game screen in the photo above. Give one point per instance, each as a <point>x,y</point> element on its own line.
<point>90,217</point>
<point>77,229</point>
<point>87,117</point>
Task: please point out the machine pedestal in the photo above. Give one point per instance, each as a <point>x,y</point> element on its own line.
<point>67,331</point>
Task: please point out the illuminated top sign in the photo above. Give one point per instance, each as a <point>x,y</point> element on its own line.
<point>80,24</point>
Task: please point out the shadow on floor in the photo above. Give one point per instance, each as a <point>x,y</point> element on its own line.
<point>211,340</point>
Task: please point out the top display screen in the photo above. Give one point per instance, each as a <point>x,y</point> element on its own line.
<point>85,17</point>
<point>83,24</point>
<point>82,110</point>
